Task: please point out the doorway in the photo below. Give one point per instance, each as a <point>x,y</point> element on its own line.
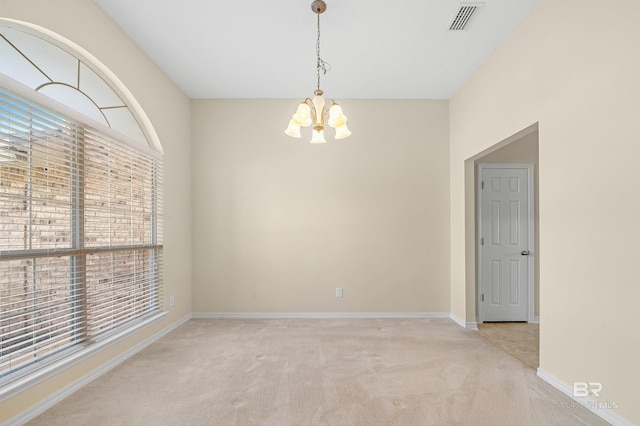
<point>518,339</point>
<point>521,148</point>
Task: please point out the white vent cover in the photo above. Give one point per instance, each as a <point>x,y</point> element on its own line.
<point>463,16</point>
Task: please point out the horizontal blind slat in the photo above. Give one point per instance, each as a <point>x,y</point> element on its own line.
<point>61,180</point>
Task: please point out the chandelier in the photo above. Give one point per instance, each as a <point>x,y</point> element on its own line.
<point>314,111</point>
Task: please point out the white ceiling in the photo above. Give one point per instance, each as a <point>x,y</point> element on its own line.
<point>266,49</point>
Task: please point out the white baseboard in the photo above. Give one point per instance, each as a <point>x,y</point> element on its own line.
<point>471,325</point>
<point>590,404</point>
<point>320,315</point>
<point>463,324</point>
<point>536,320</point>
<point>63,393</point>
<point>71,357</point>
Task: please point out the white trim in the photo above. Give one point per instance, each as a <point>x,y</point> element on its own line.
<point>319,315</point>
<point>99,68</point>
<point>590,404</point>
<point>462,323</point>
<point>12,388</point>
<point>63,393</point>
<point>31,95</point>
<point>458,321</point>
<point>536,320</point>
<point>531,232</point>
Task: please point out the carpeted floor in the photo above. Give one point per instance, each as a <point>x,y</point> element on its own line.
<point>320,372</point>
<point>521,340</point>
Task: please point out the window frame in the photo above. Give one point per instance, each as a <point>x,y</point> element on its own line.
<point>51,365</point>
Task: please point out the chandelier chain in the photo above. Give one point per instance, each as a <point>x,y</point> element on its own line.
<point>320,63</point>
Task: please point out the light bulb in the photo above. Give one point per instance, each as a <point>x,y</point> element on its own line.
<point>293,130</point>
<point>342,132</point>
<point>302,117</point>
<point>336,116</point>
<point>317,136</point>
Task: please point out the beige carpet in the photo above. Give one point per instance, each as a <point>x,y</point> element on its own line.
<point>521,340</point>
<point>319,372</point>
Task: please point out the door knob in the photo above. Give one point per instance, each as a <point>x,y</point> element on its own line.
<point>525,253</point>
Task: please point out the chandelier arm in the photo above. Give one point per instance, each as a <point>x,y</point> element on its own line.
<point>309,102</point>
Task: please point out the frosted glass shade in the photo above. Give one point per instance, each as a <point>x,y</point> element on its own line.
<point>293,129</point>
<point>314,111</point>
<point>336,116</point>
<point>338,120</point>
<point>302,117</point>
<point>318,137</point>
<point>342,132</point>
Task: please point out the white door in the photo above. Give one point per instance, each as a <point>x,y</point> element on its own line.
<point>505,242</point>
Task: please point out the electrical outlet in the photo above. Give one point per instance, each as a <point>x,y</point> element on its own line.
<point>172,301</point>
<point>339,292</point>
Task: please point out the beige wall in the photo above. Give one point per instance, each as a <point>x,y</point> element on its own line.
<point>280,223</point>
<point>82,22</point>
<point>574,67</point>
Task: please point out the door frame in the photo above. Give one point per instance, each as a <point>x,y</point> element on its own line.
<point>531,236</point>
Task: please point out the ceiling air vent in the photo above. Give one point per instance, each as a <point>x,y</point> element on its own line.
<point>463,16</point>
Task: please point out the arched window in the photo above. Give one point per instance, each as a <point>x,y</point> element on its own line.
<point>80,204</point>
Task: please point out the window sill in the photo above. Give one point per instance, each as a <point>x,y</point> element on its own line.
<point>16,386</point>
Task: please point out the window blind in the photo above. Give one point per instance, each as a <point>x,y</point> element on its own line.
<point>80,234</point>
